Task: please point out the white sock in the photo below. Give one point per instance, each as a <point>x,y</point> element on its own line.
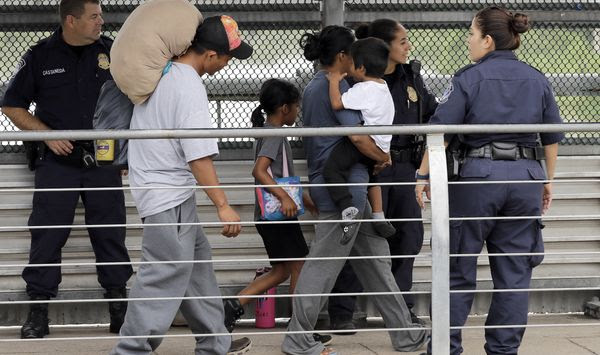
<point>378,215</point>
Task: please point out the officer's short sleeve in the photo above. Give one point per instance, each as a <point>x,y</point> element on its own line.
<point>347,117</point>
<point>452,106</point>
<point>21,87</point>
<point>551,115</point>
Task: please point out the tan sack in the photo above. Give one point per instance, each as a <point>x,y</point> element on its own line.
<point>154,33</point>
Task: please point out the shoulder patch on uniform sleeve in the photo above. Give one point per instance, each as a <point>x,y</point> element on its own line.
<point>20,65</point>
<point>446,95</point>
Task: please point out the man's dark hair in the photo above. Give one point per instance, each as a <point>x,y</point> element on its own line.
<point>198,45</point>
<point>372,53</point>
<point>73,7</point>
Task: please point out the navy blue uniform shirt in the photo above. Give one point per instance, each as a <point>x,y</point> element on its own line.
<point>63,85</point>
<point>407,110</point>
<point>499,89</point>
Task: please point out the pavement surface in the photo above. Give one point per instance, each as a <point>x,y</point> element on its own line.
<point>575,335</point>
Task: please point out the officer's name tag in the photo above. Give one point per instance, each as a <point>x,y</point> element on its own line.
<point>53,71</point>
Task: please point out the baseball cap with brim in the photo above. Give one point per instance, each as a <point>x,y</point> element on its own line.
<point>221,34</point>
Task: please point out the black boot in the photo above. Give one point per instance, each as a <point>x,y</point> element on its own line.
<point>233,312</point>
<point>36,325</point>
<point>116,309</point>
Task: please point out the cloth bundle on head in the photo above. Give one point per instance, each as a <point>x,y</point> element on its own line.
<point>153,34</point>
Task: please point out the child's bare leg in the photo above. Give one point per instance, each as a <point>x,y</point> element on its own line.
<point>375,199</point>
<point>294,268</point>
<point>278,274</point>
<point>234,308</point>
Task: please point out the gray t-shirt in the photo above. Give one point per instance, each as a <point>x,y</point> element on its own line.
<point>317,112</point>
<point>270,147</point>
<point>179,102</point>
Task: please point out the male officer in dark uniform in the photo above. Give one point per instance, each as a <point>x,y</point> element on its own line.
<point>63,75</point>
<point>413,105</point>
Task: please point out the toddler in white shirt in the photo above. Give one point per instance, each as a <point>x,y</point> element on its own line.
<point>372,97</point>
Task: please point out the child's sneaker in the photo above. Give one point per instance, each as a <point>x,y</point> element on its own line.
<point>385,229</point>
<point>348,226</point>
<point>349,213</point>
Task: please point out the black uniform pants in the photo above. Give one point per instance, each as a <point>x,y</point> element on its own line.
<point>398,202</point>
<point>58,208</point>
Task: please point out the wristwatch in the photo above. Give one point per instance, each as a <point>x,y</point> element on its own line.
<point>421,177</point>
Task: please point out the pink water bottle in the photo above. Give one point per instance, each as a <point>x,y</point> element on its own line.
<point>265,307</point>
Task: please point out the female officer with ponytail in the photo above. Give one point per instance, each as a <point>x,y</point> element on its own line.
<point>497,89</point>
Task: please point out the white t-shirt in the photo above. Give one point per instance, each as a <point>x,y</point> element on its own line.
<point>179,102</point>
<point>375,102</point>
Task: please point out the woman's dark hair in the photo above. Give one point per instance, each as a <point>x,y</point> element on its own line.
<point>503,26</point>
<point>274,93</point>
<point>384,29</point>
<point>325,45</point>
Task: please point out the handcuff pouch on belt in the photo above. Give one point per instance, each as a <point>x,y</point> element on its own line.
<point>418,150</point>
<point>504,151</point>
<point>82,155</point>
<point>454,158</point>
<point>34,151</point>
<point>507,151</point>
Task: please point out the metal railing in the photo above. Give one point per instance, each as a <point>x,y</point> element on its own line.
<point>437,30</point>
<point>440,255</point>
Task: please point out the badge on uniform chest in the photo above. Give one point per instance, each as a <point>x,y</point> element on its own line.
<point>412,94</point>
<point>103,61</point>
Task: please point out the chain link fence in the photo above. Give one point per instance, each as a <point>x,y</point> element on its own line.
<point>564,43</point>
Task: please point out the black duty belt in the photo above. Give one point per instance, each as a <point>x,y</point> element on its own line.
<point>506,151</point>
<point>403,155</point>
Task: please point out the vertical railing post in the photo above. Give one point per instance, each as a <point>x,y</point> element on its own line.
<point>332,12</point>
<point>219,115</point>
<point>440,246</point>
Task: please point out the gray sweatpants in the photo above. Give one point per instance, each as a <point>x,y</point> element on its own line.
<point>174,280</point>
<point>318,276</point>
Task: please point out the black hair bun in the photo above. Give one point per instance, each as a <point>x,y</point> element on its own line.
<point>520,23</point>
<point>309,42</point>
